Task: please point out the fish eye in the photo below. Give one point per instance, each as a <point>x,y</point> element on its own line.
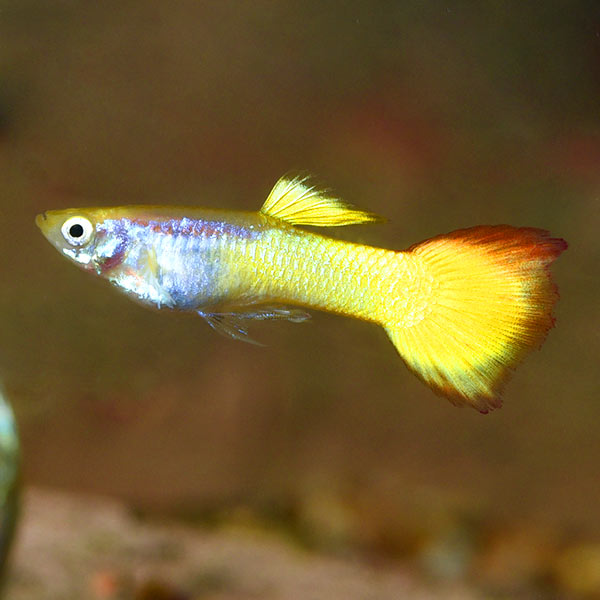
<point>77,231</point>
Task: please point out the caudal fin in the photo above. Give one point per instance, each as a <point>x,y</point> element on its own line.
<point>490,300</point>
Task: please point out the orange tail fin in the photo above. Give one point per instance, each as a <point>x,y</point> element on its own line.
<point>490,303</point>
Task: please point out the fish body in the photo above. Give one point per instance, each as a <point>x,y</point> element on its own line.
<point>212,260</point>
<point>461,308</point>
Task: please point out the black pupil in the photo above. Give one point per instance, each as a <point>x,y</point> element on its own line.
<point>76,230</point>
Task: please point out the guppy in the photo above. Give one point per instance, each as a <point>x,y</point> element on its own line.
<point>462,309</point>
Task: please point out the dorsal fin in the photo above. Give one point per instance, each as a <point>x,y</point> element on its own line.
<point>295,201</point>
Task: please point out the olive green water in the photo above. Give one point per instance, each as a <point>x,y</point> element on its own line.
<point>439,117</point>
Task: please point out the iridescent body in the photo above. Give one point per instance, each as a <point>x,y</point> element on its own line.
<point>461,309</point>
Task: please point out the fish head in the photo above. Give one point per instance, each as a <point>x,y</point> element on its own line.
<point>72,232</point>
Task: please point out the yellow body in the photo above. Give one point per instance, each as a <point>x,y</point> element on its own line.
<point>292,266</point>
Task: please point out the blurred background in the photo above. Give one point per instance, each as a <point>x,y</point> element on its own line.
<point>438,115</point>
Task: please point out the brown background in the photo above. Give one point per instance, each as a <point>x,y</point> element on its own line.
<point>438,115</point>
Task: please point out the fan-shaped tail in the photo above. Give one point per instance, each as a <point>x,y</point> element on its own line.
<point>491,303</point>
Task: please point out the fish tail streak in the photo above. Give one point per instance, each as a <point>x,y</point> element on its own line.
<point>486,301</point>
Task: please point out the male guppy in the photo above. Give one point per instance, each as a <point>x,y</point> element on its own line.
<point>462,309</point>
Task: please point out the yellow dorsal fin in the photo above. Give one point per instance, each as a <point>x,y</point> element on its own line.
<point>296,201</point>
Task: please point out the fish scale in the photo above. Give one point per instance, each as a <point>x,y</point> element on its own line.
<point>322,273</point>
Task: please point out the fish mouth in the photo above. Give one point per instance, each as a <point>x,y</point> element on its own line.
<point>40,220</point>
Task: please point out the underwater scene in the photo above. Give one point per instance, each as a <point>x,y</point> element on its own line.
<point>396,203</point>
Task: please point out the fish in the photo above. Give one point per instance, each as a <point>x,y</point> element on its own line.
<point>462,309</point>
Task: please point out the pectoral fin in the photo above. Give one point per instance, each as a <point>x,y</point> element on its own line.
<point>234,324</point>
